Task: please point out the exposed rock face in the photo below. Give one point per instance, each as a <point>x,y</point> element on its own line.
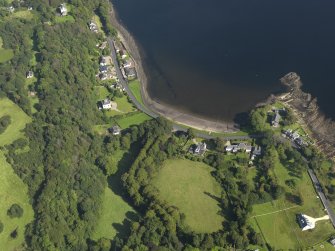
<point>307,109</point>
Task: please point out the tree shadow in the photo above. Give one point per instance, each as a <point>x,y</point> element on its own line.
<point>217,199</point>
<point>114,181</point>
<point>242,120</point>
<point>123,229</point>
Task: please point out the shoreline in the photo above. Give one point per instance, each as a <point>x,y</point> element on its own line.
<point>165,110</point>
<point>309,114</point>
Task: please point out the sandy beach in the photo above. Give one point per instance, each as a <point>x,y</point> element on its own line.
<point>164,110</point>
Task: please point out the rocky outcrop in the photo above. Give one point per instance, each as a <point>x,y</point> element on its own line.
<point>309,114</point>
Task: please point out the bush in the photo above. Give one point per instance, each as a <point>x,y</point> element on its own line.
<point>4,123</point>
<point>15,211</point>
<point>1,227</point>
<point>14,234</point>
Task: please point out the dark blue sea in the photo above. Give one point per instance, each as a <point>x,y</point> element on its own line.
<point>218,58</point>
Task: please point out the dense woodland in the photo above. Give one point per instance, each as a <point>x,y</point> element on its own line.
<point>65,184</point>
<point>67,164</point>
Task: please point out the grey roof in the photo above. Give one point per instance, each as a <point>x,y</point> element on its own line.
<point>257,150</point>
<point>106,101</point>
<point>103,68</point>
<point>302,221</point>
<point>130,71</point>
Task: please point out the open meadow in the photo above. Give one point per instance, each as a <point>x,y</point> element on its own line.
<point>116,214</point>
<point>12,189</point>
<point>276,220</point>
<point>189,186</point>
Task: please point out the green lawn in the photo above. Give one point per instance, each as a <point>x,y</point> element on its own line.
<point>96,19</point>
<point>24,14</point>
<point>135,119</point>
<point>101,92</point>
<point>190,186</point>
<point>114,213</point>
<point>68,18</point>
<point>12,189</point>
<point>18,121</point>
<point>5,54</point>
<point>124,105</point>
<point>135,87</point>
<point>279,226</point>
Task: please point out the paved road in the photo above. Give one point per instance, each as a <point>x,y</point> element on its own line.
<point>318,188</point>
<point>151,113</point>
<point>124,83</point>
<point>322,196</point>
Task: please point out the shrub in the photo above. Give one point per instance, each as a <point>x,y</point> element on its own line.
<point>4,123</point>
<point>1,227</point>
<point>15,211</point>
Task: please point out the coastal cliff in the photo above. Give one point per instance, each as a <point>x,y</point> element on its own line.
<point>309,114</point>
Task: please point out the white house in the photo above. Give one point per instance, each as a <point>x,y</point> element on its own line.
<point>130,72</point>
<point>276,118</point>
<point>30,74</point>
<point>332,241</point>
<point>122,54</point>
<point>304,222</point>
<point>115,130</point>
<point>93,26</point>
<point>103,61</point>
<point>230,148</point>
<point>248,148</point>
<point>62,9</point>
<point>103,69</point>
<point>200,148</point>
<point>127,64</point>
<point>240,147</point>
<point>106,104</point>
<point>11,9</point>
<point>257,150</point>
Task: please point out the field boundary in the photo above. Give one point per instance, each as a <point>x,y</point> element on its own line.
<point>278,211</point>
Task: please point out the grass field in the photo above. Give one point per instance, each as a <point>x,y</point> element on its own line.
<point>135,87</point>
<point>190,186</point>
<point>124,105</point>
<point>18,121</point>
<point>68,18</point>
<point>135,119</point>
<point>12,189</point>
<point>5,54</point>
<point>114,212</point>
<point>276,220</point>
<point>24,14</point>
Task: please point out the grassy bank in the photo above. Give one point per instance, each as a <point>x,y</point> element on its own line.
<point>189,186</point>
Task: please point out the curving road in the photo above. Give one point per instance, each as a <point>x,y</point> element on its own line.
<point>322,196</point>
<point>153,114</point>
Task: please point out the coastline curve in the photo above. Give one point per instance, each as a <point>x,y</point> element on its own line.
<point>164,110</point>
